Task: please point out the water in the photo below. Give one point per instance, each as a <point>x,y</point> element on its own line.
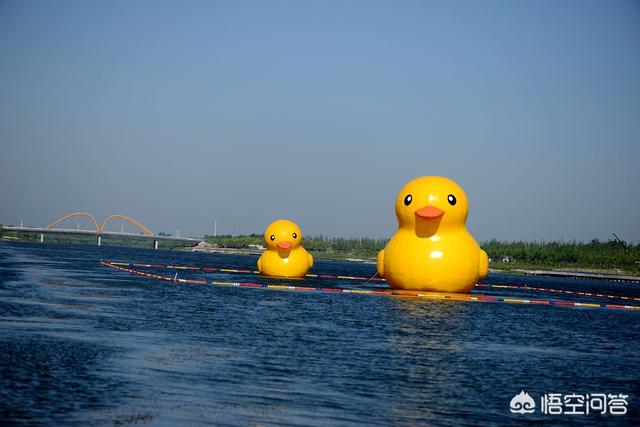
<point>81,344</point>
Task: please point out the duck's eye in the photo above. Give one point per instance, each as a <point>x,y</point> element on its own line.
<point>452,199</point>
<point>295,235</point>
<point>273,237</point>
<point>407,200</point>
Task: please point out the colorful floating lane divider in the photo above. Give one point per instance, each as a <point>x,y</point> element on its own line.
<point>394,293</point>
<point>233,270</point>
<point>379,279</point>
<point>559,291</point>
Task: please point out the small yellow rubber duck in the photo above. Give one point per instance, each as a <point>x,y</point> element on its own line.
<point>432,250</point>
<point>283,256</point>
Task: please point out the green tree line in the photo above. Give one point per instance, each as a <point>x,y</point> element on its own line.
<point>611,254</point>
<point>313,243</point>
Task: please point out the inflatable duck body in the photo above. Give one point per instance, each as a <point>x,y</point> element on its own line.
<point>284,256</point>
<point>432,249</point>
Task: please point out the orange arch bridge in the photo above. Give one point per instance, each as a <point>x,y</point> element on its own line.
<point>74,215</point>
<point>103,227</point>
<point>127,218</point>
<point>101,231</point>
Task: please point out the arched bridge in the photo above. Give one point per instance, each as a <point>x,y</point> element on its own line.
<point>102,227</point>
<point>92,228</point>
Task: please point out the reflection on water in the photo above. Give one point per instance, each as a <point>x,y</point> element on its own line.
<point>84,344</point>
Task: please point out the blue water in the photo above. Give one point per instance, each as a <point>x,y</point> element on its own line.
<point>81,344</point>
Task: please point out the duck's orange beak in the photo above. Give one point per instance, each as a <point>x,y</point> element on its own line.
<point>284,245</point>
<point>429,212</point>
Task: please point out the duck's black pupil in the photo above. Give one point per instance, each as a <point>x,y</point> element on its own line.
<point>452,199</point>
<point>295,236</point>
<point>407,200</point>
<point>273,237</point>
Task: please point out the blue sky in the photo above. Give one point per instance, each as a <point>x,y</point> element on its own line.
<point>181,112</point>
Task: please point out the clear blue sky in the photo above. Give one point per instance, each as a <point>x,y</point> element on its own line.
<point>181,112</point>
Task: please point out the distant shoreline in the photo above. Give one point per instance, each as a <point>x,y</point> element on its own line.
<point>512,256</point>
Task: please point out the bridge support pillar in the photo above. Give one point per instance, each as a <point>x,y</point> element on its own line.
<point>41,237</point>
<point>99,240</point>
<point>155,244</point>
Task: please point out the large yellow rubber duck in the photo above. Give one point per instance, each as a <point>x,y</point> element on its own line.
<point>432,250</point>
<point>284,256</point>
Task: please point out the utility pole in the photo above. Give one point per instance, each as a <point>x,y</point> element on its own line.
<point>621,242</point>
<point>215,228</point>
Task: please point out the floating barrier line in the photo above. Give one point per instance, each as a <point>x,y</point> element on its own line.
<point>394,293</point>
<point>560,291</point>
<point>379,279</point>
<point>234,270</point>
